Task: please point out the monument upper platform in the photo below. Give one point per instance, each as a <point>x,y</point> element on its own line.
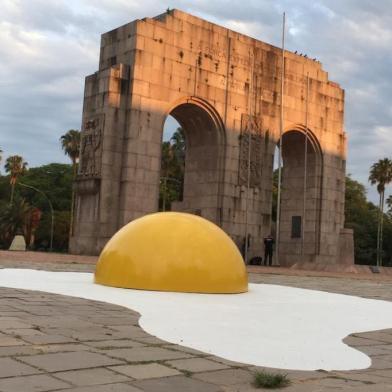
<point>175,27</point>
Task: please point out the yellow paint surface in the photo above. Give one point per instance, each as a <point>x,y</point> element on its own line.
<point>171,251</point>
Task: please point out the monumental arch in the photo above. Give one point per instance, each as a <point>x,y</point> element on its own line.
<point>224,89</point>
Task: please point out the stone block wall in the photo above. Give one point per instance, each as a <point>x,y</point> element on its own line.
<point>224,89</point>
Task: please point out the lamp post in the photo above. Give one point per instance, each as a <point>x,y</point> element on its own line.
<point>281,128</point>
<point>51,211</point>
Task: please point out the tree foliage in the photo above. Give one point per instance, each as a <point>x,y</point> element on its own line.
<point>55,181</point>
<point>60,235</point>
<point>381,175</point>
<point>14,219</point>
<point>362,216</point>
<point>15,166</point>
<point>70,143</point>
<point>172,170</point>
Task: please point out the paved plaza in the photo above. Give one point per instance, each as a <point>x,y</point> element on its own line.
<point>55,343</point>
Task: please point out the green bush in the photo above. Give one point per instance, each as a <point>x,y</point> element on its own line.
<point>270,380</point>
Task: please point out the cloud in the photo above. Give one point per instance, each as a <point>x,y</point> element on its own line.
<point>48,47</point>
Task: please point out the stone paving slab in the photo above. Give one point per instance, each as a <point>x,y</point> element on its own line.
<point>365,377</point>
<point>122,387</point>
<point>17,351</point>
<point>7,341</point>
<point>176,384</point>
<point>110,344</point>
<point>188,350</point>
<point>10,367</point>
<point>227,362</point>
<point>370,388</point>
<point>59,348</point>
<point>44,257</point>
<point>150,370</point>
<point>38,383</point>
<point>95,376</point>
<point>195,365</point>
<point>154,341</point>
<point>360,272</point>
<point>47,339</point>
<point>226,377</point>
<point>12,323</point>
<point>341,285</point>
<point>68,361</point>
<point>146,354</point>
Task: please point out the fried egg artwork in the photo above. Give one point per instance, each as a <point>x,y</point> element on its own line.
<point>272,326</point>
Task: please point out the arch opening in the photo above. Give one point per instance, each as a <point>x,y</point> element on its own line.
<point>171,181</point>
<point>300,208</point>
<point>196,148</point>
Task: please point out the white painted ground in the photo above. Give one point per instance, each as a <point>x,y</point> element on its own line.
<point>272,326</point>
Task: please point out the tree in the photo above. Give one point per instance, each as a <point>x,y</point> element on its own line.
<point>177,141</point>
<point>61,231</point>
<point>361,216</point>
<point>355,200</point>
<point>381,174</point>
<point>16,166</point>
<point>14,219</point>
<point>177,145</point>
<point>172,170</point>
<point>55,181</point>
<point>70,143</point>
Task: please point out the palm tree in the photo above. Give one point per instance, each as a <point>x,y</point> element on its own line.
<point>70,143</point>
<point>14,219</point>
<point>177,142</point>
<point>172,169</point>
<point>178,146</point>
<point>16,166</point>
<point>381,174</point>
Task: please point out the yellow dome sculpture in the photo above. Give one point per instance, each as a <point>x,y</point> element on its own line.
<point>171,251</point>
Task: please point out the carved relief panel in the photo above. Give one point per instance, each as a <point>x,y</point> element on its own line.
<point>91,145</point>
<point>250,151</point>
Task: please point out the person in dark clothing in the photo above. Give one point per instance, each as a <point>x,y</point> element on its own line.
<point>268,249</point>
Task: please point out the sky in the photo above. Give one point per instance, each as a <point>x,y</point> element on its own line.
<point>47,47</point>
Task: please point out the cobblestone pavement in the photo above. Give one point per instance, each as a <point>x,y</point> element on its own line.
<point>56,343</point>
<point>47,261</point>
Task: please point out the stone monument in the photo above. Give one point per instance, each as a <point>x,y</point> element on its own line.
<point>224,89</point>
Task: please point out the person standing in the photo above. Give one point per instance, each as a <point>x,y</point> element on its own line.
<point>268,249</point>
